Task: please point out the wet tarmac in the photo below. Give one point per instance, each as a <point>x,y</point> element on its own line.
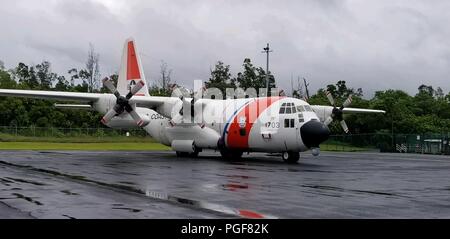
<point>93,184</point>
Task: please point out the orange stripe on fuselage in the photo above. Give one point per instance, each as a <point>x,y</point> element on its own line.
<point>132,63</point>
<point>251,112</point>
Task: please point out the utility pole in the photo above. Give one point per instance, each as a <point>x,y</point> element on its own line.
<point>267,50</point>
<point>306,88</point>
<point>292,86</point>
<point>301,95</point>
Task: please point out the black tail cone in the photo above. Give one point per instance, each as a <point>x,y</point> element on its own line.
<point>314,133</point>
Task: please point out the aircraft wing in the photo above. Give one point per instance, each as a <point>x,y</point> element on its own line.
<point>143,101</point>
<point>324,111</point>
<point>52,95</point>
<point>359,110</point>
<point>151,101</point>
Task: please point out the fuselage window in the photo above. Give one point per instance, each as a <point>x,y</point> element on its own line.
<point>286,123</point>
<point>293,109</point>
<point>288,110</point>
<point>308,108</point>
<point>289,123</point>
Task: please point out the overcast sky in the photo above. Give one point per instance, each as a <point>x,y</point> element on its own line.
<point>375,45</point>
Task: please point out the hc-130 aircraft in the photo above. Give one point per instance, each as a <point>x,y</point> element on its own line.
<point>190,124</point>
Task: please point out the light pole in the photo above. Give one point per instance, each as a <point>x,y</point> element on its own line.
<point>267,50</point>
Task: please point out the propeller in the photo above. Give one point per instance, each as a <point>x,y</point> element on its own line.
<point>183,93</point>
<point>337,113</point>
<point>123,103</point>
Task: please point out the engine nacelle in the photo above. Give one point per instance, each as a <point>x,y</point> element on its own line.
<point>124,121</point>
<point>187,146</point>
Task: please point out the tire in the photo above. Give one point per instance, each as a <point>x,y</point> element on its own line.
<point>290,157</point>
<point>187,155</point>
<point>195,153</point>
<point>231,154</point>
<point>182,154</point>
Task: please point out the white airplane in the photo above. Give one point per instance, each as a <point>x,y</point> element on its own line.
<point>258,124</point>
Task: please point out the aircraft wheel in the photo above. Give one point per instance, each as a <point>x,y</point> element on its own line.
<point>186,154</point>
<point>195,153</point>
<point>231,154</point>
<point>182,154</point>
<point>290,157</point>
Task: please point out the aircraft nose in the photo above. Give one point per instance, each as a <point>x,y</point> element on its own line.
<point>314,133</point>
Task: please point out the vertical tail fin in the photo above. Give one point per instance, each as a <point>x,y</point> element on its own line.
<point>131,70</point>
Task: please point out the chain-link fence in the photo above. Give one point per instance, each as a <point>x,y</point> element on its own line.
<point>400,143</point>
<point>423,143</point>
<point>359,142</point>
<point>69,132</point>
<point>380,142</point>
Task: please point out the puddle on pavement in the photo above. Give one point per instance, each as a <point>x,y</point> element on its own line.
<point>128,209</point>
<point>68,192</point>
<point>337,189</point>
<point>25,181</point>
<point>234,186</point>
<point>18,195</point>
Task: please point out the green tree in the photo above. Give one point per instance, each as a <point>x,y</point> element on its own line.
<point>5,80</point>
<point>221,78</point>
<point>44,75</point>
<point>62,84</point>
<point>253,77</point>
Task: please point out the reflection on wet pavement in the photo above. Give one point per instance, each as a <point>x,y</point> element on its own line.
<point>72,184</point>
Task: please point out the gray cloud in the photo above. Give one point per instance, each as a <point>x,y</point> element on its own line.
<point>371,44</point>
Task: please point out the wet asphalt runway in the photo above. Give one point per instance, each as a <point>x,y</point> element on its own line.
<point>87,184</point>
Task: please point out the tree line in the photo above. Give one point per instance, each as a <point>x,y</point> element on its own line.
<point>428,111</point>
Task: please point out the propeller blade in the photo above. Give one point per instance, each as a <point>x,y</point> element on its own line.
<point>344,126</point>
<point>330,97</point>
<point>137,87</point>
<point>109,84</point>
<point>199,93</point>
<point>108,116</point>
<point>328,120</point>
<point>348,101</point>
<point>187,111</point>
<point>177,92</point>
<point>139,121</point>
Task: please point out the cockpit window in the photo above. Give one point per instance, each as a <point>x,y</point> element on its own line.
<point>288,110</point>
<point>308,108</point>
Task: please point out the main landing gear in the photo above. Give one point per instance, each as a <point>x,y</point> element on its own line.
<point>290,157</point>
<point>231,154</point>
<point>189,154</point>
